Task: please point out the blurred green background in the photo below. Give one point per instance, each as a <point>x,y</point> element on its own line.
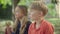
<point>6,13</point>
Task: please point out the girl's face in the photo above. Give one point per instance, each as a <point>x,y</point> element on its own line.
<point>35,14</point>
<point>18,13</point>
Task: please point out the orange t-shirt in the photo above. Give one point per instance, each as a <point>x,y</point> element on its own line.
<point>45,28</point>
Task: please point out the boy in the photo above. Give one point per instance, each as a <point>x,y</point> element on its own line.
<point>37,11</point>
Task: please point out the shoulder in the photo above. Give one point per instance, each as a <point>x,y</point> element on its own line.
<point>31,26</point>
<point>28,23</point>
<point>48,25</point>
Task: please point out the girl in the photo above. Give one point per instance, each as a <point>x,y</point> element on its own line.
<point>21,20</point>
<point>8,29</point>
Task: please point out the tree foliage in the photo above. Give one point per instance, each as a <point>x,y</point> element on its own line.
<point>5,2</point>
<point>9,2</point>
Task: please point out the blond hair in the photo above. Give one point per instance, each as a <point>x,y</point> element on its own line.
<point>23,25</point>
<point>8,23</point>
<point>24,19</point>
<point>39,6</point>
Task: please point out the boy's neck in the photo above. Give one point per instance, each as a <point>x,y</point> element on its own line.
<point>38,23</point>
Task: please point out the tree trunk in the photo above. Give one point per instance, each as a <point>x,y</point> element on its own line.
<point>58,8</point>
<point>14,4</point>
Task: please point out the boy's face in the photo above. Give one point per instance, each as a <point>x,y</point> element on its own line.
<point>35,14</point>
